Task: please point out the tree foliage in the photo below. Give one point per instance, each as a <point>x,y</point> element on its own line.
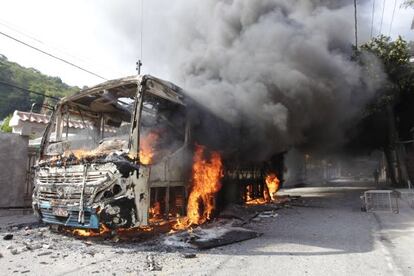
<point>12,98</point>
<point>393,57</point>
<point>390,117</point>
<point>5,127</point>
<point>393,54</point>
<point>388,64</point>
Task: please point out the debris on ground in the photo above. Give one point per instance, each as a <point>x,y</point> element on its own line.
<point>209,238</point>
<point>268,214</point>
<point>8,237</point>
<point>227,229</point>
<point>151,250</point>
<point>238,212</point>
<point>44,253</point>
<point>152,265</point>
<point>189,255</point>
<point>214,236</point>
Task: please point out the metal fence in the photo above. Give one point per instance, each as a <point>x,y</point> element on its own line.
<point>380,201</point>
<point>407,196</point>
<point>31,161</point>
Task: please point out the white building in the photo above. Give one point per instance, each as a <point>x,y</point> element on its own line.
<point>34,124</point>
<point>28,123</point>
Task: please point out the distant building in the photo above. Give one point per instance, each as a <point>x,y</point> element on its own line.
<point>28,123</point>
<point>34,124</point>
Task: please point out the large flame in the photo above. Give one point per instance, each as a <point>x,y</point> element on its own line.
<point>205,184</point>
<point>147,147</point>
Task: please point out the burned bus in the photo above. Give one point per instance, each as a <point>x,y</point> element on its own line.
<point>113,153</point>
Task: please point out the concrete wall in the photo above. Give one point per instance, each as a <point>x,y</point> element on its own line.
<point>13,166</point>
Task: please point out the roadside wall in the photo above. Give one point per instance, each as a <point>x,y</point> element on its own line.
<point>13,170</point>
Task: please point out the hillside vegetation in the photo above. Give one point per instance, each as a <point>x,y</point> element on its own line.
<point>29,78</point>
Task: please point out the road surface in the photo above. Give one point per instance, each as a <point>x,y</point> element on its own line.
<point>329,236</point>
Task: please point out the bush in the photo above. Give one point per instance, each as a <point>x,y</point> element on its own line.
<point>5,126</point>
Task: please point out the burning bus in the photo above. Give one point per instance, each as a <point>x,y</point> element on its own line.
<point>143,150</point>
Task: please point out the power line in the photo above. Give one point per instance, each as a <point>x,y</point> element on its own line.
<point>28,90</point>
<point>32,37</point>
<point>382,17</point>
<point>372,17</point>
<point>392,18</point>
<point>18,31</point>
<point>51,55</point>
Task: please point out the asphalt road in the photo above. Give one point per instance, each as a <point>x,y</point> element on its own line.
<point>330,236</point>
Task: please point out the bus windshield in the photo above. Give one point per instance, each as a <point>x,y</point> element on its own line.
<point>96,123</point>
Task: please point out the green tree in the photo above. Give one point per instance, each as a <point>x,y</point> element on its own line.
<point>5,127</point>
<point>29,78</point>
<point>390,116</point>
<point>394,58</point>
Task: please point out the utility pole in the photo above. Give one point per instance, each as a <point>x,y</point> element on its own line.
<point>356,24</point>
<point>139,64</point>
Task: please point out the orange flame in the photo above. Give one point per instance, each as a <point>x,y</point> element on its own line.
<point>91,233</point>
<point>105,230</point>
<point>147,147</point>
<point>256,201</point>
<point>205,184</point>
<point>269,194</point>
<point>155,210</point>
<point>272,183</point>
<point>80,153</point>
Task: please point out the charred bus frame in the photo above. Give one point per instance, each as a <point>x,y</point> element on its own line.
<point>110,184</point>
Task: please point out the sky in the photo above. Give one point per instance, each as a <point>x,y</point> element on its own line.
<point>104,36</point>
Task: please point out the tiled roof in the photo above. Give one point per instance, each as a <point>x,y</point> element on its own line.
<point>44,119</point>
<point>40,119</point>
<point>31,117</point>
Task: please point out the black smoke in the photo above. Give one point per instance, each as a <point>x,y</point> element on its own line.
<point>281,69</point>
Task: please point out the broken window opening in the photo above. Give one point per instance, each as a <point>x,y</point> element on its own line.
<point>162,128</point>
<point>95,124</point>
<point>160,210</point>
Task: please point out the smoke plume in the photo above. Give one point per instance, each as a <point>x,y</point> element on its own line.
<point>280,68</point>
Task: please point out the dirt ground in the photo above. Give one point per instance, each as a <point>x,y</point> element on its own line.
<point>327,234</point>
